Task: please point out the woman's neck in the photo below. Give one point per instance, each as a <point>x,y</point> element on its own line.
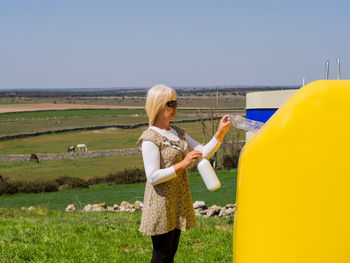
<point>161,124</point>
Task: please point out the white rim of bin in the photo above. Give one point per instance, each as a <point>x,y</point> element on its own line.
<point>268,99</point>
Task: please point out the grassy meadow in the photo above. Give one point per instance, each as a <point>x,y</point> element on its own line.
<point>83,168</point>
<point>39,125</point>
<point>26,122</point>
<point>59,114</point>
<point>104,139</point>
<point>110,138</point>
<point>115,194</point>
<point>48,236</point>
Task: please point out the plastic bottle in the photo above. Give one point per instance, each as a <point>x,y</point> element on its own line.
<point>245,124</point>
<point>208,175</point>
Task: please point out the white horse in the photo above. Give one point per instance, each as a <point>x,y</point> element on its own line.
<point>82,147</point>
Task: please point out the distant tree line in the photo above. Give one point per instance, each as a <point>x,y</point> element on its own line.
<point>195,91</point>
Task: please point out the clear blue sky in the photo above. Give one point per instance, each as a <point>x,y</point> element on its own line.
<point>93,44</point>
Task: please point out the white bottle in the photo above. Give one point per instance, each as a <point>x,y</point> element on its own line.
<point>245,124</point>
<point>208,175</point>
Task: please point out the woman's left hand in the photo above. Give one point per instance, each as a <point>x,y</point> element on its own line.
<point>224,125</point>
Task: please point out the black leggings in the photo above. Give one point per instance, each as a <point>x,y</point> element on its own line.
<point>165,246</point>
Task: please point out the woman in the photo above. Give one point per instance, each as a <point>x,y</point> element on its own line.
<point>167,152</point>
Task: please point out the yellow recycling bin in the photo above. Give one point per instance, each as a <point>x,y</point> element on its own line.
<point>293,185</point>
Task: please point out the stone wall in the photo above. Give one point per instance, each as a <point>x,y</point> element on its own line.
<point>199,207</point>
<point>73,155</point>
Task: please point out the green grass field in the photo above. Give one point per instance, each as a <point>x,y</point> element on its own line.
<point>26,122</point>
<point>58,114</point>
<point>39,125</point>
<point>52,235</point>
<point>82,168</point>
<point>110,138</point>
<point>115,194</point>
<point>49,236</point>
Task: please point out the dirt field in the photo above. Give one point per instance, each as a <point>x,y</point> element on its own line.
<point>205,102</point>
<point>53,106</point>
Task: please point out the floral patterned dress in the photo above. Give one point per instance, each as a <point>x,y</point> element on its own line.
<point>167,205</point>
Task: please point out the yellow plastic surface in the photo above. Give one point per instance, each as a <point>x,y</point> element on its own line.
<point>293,185</point>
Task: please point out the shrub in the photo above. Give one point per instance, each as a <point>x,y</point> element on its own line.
<point>50,187</point>
<point>68,182</point>
<point>95,180</point>
<point>231,152</point>
<point>128,176</point>
<point>7,187</point>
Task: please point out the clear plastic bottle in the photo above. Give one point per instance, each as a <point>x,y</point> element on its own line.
<point>208,175</point>
<point>245,124</point>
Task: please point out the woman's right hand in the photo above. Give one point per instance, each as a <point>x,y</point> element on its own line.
<point>192,157</point>
<point>189,159</point>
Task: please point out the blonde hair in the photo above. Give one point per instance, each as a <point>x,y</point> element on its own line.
<point>157,97</point>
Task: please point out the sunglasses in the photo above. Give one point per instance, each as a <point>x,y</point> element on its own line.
<point>172,103</point>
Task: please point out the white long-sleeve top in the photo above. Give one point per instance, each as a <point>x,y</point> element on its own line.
<point>151,155</point>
